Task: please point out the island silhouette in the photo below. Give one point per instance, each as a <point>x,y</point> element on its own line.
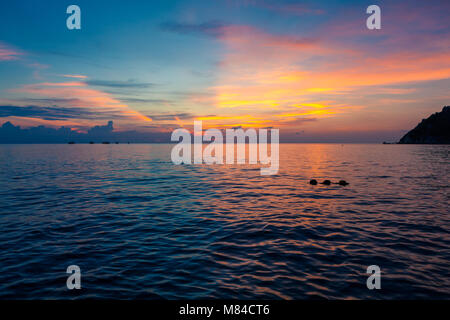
<point>433,130</point>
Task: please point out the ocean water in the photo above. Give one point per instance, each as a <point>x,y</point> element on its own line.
<point>140,227</point>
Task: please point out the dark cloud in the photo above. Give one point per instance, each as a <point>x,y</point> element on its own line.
<point>102,130</point>
<point>10,133</point>
<point>288,7</point>
<point>300,121</point>
<point>55,113</point>
<point>130,84</point>
<point>50,101</point>
<point>162,117</point>
<point>66,113</point>
<point>210,28</point>
<point>47,113</point>
<point>173,116</point>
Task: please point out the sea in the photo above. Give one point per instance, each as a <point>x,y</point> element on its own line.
<point>140,227</point>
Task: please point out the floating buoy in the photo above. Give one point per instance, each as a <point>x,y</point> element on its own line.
<point>328,182</point>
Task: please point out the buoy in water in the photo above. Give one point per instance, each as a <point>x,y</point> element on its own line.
<point>313,182</point>
<point>326,182</point>
<point>343,183</point>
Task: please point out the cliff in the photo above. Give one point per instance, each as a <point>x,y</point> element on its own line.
<point>433,130</point>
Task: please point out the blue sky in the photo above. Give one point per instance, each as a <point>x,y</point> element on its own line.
<point>310,68</point>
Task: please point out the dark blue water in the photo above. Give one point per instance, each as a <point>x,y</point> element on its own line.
<point>140,227</point>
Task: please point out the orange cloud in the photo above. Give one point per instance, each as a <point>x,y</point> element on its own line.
<point>78,94</point>
<point>262,72</point>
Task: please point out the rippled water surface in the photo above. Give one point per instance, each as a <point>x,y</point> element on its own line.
<point>140,227</point>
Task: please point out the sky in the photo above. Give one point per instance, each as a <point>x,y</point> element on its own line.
<point>312,69</point>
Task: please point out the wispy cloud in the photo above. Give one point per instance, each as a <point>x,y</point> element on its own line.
<point>54,113</point>
<point>172,116</point>
<point>76,76</point>
<point>284,7</point>
<point>146,101</point>
<point>120,84</point>
<point>7,53</point>
<point>79,95</point>
<point>209,28</point>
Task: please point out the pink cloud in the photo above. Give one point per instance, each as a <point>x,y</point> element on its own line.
<point>76,76</point>
<point>262,72</point>
<point>7,53</point>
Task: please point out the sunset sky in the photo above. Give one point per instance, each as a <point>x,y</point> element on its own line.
<point>310,68</point>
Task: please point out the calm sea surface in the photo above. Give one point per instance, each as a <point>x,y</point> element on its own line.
<point>140,227</point>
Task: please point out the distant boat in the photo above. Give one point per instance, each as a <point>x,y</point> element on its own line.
<point>71,142</point>
<point>91,142</point>
<point>117,142</point>
<point>105,142</point>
